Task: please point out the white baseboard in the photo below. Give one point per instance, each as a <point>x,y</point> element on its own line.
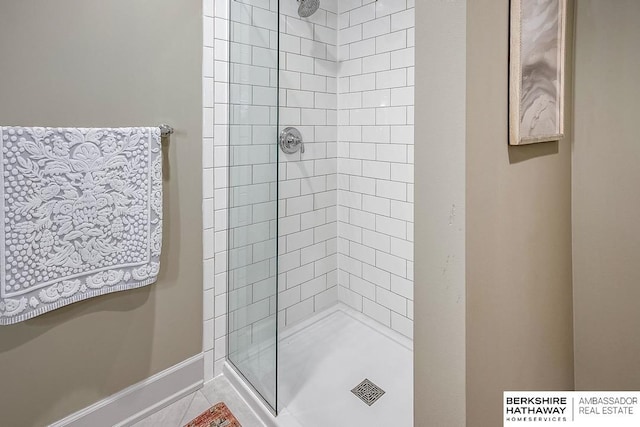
<point>140,400</point>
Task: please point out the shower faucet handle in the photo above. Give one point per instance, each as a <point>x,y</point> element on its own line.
<point>291,140</point>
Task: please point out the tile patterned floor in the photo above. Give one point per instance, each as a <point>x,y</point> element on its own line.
<point>184,410</point>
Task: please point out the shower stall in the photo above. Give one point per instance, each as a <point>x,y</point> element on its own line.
<point>320,208</point>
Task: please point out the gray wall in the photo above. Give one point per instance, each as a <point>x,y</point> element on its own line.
<point>108,63</point>
<point>519,296</point>
<point>606,199</point>
<point>439,334</point>
<point>493,306</point>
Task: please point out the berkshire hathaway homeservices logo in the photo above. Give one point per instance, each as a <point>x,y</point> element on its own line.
<point>538,408</point>
<point>572,408</point>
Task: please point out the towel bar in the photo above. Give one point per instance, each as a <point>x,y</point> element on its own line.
<point>165,130</point>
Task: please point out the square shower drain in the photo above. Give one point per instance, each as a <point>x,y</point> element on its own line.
<point>368,392</point>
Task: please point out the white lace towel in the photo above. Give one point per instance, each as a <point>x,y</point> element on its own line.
<point>81,213</point>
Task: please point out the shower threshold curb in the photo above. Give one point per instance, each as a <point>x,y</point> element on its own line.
<point>257,406</point>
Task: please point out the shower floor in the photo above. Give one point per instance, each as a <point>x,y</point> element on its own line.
<point>323,359</point>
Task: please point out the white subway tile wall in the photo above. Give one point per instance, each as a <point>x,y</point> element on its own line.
<point>346,205</point>
<point>210,327</point>
<point>308,101</point>
<point>216,270</point>
<point>375,159</point>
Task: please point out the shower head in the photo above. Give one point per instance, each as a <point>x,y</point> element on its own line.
<point>308,7</point>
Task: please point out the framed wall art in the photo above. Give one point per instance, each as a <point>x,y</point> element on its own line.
<point>536,71</point>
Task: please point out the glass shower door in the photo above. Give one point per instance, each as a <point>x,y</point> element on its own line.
<point>253,194</point>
